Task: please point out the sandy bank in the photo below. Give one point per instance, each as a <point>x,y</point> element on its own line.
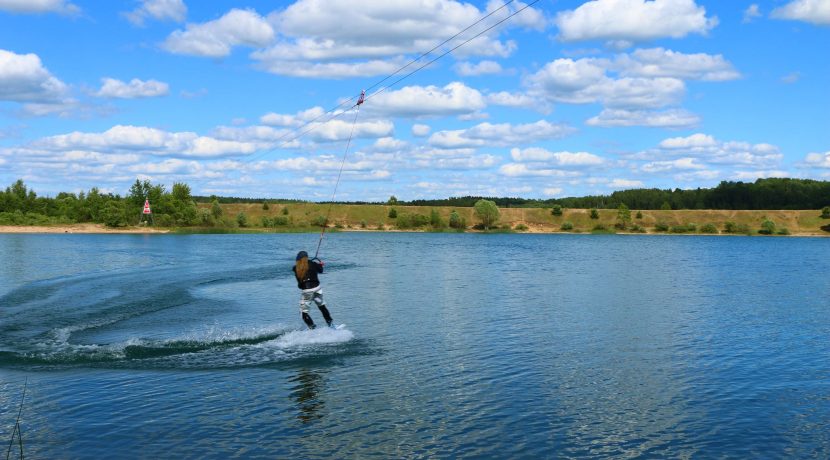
<point>76,228</point>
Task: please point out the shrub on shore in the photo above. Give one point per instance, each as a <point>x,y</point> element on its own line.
<point>566,226</point>
<point>708,228</point>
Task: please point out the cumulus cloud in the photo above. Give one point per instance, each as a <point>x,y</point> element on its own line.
<point>161,10</point>
<point>276,119</point>
<point>313,41</point>
<point>660,62</point>
<point>524,170</point>
<point>673,118</point>
<point>23,78</point>
<point>139,139</point>
<point>136,88</point>
<point>424,101</point>
<point>419,130</point>
<point>39,6</point>
<point>559,159</point>
<point>505,134</point>
<point>818,160</point>
<point>709,150</point>
<point>524,101</point>
<point>814,11</point>
<point>751,13</point>
<point>625,183</point>
<point>633,20</point>
<point>585,81</point>
<point>467,69</point>
<point>217,38</point>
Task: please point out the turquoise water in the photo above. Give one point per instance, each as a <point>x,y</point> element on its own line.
<point>454,345</point>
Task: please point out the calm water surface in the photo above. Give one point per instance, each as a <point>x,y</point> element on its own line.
<point>455,345</point>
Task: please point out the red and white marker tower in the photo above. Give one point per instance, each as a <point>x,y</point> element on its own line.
<point>146,214</point>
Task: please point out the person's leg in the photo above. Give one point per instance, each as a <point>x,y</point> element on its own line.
<point>305,301</point>
<point>321,304</point>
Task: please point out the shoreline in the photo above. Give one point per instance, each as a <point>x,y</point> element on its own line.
<point>88,228</point>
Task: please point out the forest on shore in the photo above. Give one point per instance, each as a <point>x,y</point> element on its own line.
<point>177,207</point>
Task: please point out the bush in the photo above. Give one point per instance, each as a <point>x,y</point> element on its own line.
<point>566,226</point>
<point>242,219</point>
<point>266,221</point>
<point>730,227</point>
<point>600,227</point>
<point>639,215</point>
<point>557,210</point>
<point>661,227</point>
<point>265,206</point>
<point>435,219</point>
<point>215,209</point>
<point>393,213</point>
<point>520,228</point>
<point>678,229</point>
<point>636,228</point>
<point>363,223</point>
<point>767,227</point>
<point>284,211</point>
<point>708,228</point>
<point>406,220</point>
<point>825,212</point>
<point>665,206</point>
<point>319,221</point>
<point>783,231</point>
<point>279,221</point>
<point>457,222</point>
<point>594,213</point>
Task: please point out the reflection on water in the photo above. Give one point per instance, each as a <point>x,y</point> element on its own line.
<point>307,389</point>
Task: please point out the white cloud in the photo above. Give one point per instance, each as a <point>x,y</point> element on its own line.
<point>584,81</point>
<point>673,118</point>
<point>660,62</point>
<point>625,183</point>
<point>467,69</point>
<point>712,151</point>
<point>161,10</point>
<point>335,39</point>
<point>216,38</point>
<point>813,11</point>
<point>524,170</point>
<point>818,160</point>
<point>276,119</point>
<point>760,174</point>
<point>138,139</point>
<point>423,101</point>
<point>419,130</point>
<point>633,20</point>
<point>505,134</point>
<point>136,88</point>
<point>672,165</point>
<point>751,13</point>
<point>552,191</point>
<point>39,6</point>
<point>559,159</point>
<point>24,79</point>
<point>524,101</point>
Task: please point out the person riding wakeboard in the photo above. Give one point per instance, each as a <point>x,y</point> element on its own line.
<point>306,271</point>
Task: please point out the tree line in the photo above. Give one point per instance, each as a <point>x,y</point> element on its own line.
<point>20,205</point>
<point>773,193</point>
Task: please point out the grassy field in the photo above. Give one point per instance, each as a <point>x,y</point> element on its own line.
<point>306,216</point>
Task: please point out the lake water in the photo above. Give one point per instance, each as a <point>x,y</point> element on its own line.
<point>455,345</point>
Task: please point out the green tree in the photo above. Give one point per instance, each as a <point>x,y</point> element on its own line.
<point>265,206</point>
<point>392,200</point>
<point>594,213</point>
<point>113,214</point>
<point>242,219</point>
<point>556,210</point>
<point>215,209</point>
<point>665,206</point>
<point>487,212</point>
<point>435,219</point>
<point>623,216</point>
<point>825,212</point>
<point>639,214</point>
<point>393,213</point>
<point>285,211</point>
<point>456,221</point>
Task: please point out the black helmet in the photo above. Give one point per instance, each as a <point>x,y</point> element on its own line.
<point>301,254</point>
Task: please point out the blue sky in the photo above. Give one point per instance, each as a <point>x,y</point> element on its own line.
<point>566,98</point>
